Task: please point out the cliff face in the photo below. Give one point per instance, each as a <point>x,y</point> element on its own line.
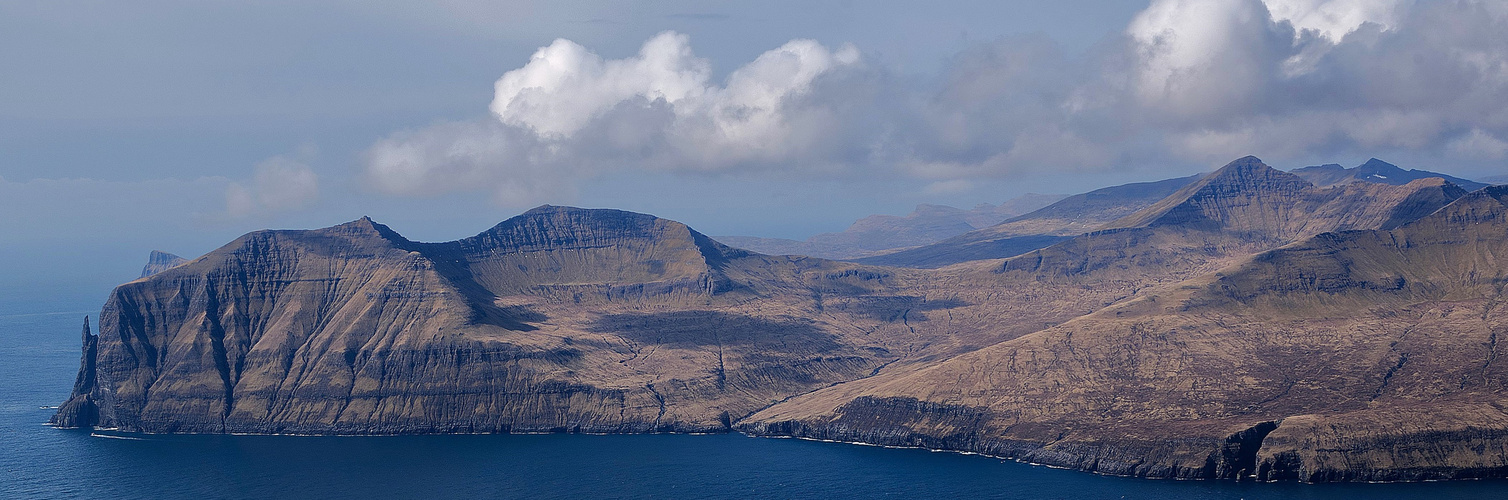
<point>1356,355</point>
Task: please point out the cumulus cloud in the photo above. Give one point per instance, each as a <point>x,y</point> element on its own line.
<point>569,114</point>
<point>1292,78</point>
<point>1187,82</point>
<point>278,185</point>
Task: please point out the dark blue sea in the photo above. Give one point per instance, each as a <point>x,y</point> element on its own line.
<point>39,350</point>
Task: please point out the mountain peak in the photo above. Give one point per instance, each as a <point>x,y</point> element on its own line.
<point>609,239</point>
<point>1380,169</point>
<point>1378,172</point>
<point>1246,170</point>
<point>366,227</point>
<point>1216,199</point>
<point>1246,160</point>
<point>159,261</point>
<point>548,208</point>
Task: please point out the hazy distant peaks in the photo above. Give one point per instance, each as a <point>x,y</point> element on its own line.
<point>1377,171</point>
<point>159,261</point>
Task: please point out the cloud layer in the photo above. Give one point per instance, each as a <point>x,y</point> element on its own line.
<point>278,185</point>
<point>1187,82</point>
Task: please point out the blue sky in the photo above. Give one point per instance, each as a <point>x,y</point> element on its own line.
<point>179,125</point>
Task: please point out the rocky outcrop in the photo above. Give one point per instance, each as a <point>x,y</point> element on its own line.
<point>81,410</point>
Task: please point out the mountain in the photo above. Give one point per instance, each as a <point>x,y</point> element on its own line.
<point>160,261</point>
<point>1070,216</point>
<point>1375,170</point>
<point>1353,355</point>
<point>560,318</point>
<point>1247,323</point>
<point>1496,179</point>
<point>876,233</point>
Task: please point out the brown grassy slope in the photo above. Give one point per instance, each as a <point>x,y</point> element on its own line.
<point>1359,355</point>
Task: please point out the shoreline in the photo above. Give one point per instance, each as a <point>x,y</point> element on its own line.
<point>114,433</point>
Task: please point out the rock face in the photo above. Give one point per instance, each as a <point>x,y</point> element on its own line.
<point>159,261</point>
<point>1246,324</point>
<point>1376,171</point>
<point>879,233</point>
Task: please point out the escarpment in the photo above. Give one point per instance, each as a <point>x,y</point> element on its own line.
<point>1245,324</point>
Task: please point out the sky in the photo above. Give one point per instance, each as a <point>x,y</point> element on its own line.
<point>179,125</point>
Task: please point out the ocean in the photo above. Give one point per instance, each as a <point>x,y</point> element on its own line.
<point>39,351</point>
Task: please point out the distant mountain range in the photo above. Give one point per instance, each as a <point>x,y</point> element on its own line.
<point>1375,170</point>
<point>1247,323</point>
<point>1039,228</point>
<point>159,261</point>
<point>1070,216</point>
<point>877,233</point>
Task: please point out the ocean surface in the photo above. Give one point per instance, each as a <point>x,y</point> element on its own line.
<point>39,351</point>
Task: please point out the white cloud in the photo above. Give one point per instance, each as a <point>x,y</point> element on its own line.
<point>278,185</point>
<point>1334,19</point>
<point>568,114</point>
<point>1479,144</point>
<point>565,85</point>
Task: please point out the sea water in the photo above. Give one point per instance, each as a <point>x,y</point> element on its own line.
<point>39,351</point>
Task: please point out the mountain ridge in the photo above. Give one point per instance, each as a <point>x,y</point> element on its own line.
<point>1375,170</point>
<point>877,234</point>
